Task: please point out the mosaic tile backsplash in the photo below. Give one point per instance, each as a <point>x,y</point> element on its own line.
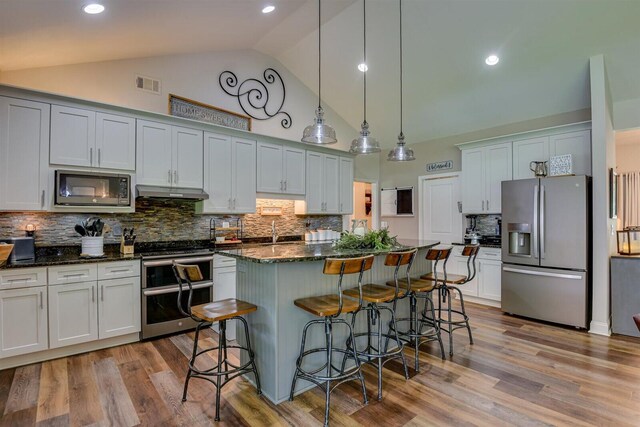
<point>162,220</point>
<point>486,225</point>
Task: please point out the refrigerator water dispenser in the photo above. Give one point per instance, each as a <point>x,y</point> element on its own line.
<point>519,239</point>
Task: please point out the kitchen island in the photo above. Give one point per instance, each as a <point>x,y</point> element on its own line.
<point>274,276</point>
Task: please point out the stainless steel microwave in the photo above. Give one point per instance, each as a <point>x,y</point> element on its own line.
<point>76,188</point>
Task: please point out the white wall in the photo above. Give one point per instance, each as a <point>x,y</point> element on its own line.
<point>628,157</point>
<point>627,114</point>
<point>194,76</point>
<point>603,155</point>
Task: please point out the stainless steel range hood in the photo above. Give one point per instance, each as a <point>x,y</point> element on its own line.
<point>152,192</point>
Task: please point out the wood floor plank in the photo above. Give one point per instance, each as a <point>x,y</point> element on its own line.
<point>59,421</point>
<point>84,399</point>
<point>6,378</point>
<point>24,389</point>
<point>114,398</point>
<point>53,397</point>
<point>169,389</point>
<point>20,418</point>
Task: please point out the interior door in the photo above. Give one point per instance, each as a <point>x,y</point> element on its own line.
<point>441,218</point>
<point>188,163</point>
<point>244,180</point>
<point>218,174</point>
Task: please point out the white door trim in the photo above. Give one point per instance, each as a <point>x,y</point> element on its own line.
<point>421,181</point>
<point>375,211</point>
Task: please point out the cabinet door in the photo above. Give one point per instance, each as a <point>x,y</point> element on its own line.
<point>331,181</point>
<point>490,279</point>
<point>473,180</point>
<point>73,314</point>
<point>497,165</point>
<point>294,175</point>
<point>24,155</point>
<point>153,153</point>
<point>217,173</point>
<point>118,307</point>
<point>115,142</point>
<point>224,287</point>
<point>346,185</point>
<point>244,176</point>
<point>578,144</point>
<point>270,179</point>
<point>73,136</point>
<point>23,321</point>
<point>527,151</point>
<point>314,171</point>
<point>187,158</point>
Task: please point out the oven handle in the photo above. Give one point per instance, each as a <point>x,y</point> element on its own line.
<point>164,262</point>
<point>175,289</point>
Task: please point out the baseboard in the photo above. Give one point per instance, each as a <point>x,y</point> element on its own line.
<point>600,328</point>
<point>483,301</point>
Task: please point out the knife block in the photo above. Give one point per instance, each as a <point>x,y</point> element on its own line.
<point>126,246</point>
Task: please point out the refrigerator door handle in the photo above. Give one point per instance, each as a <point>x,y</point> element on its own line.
<point>542,213</point>
<point>535,222</point>
<point>542,273</point>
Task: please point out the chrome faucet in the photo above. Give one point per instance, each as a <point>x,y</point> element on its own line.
<point>274,234</point>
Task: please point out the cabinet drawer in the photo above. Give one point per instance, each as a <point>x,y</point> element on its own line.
<point>223,261</point>
<point>490,253</point>
<point>73,273</point>
<point>23,278</point>
<point>116,270</point>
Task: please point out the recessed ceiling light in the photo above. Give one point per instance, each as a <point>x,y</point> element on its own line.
<point>93,8</point>
<point>268,9</point>
<point>363,67</point>
<point>492,60</point>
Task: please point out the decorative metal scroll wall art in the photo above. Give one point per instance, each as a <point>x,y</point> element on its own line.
<point>254,96</point>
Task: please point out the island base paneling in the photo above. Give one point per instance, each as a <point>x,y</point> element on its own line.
<point>276,328</point>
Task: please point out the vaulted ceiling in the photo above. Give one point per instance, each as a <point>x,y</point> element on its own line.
<point>544,46</point>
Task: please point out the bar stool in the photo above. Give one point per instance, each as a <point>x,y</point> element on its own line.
<point>329,307</point>
<point>445,289</point>
<point>417,289</point>
<point>205,315</point>
<point>379,294</point>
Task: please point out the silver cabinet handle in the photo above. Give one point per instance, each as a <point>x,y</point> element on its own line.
<point>91,156</point>
<point>99,156</point>
<point>341,209</point>
<point>234,203</point>
<point>479,266</point>
<point>281,186</point>
<point>41,301</point>
<point>483,205</point>
<point>285,186</point>
<point>543,273</point>
<point>487,204</point>
<point>102,293</point>
<point>42,199</point>
<point>175,177</point>
<point>93,294</point>
<point>169,177</point>
<point>229,204</point>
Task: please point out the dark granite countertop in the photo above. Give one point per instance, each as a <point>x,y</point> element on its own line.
<point>482,245</point>
<point>300,252</point>
<point>70,256</point>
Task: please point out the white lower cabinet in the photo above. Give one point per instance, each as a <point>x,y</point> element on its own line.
<point>487,283</point>
<point>73,314</point>
<point>23,321</point>
<point>490,281</point>
<point>224,286</point>
<point>118,307</point>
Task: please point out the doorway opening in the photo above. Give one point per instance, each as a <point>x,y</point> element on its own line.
<point>365,205</point>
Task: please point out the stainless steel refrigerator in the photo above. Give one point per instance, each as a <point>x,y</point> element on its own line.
<point>546,249</point>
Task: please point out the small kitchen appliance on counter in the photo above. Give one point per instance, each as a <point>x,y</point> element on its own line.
<point>23,249</point>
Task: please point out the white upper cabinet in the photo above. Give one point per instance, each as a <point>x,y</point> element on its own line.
<point>82,137</point>
<point>115,142</point>
<point>229,175</point>
<point>483,170</point>
<point>346,185</point>
<point>270,178</point>
<point>187,157</point>
<point>323,183</point>
<point>541,149</point>
<point>24,155</point>
<point>169,155</point>
<point>526,151</point>
<point>281,169</point>
<point>578,144</point>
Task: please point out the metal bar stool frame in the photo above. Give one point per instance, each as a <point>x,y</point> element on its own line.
<point>417,321</point>
<point>445,291</point>
<point>187,274</point>
<point>376,355</point>
<point>325,381</point>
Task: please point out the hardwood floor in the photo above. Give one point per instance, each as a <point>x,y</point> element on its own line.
<point>518,372</point>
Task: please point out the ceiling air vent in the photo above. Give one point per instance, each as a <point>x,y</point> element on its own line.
<point>148,84</point>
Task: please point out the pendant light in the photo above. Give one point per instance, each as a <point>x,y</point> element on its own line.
<point>401,153</point>
<point>365,144</point>
<point>319,132</point>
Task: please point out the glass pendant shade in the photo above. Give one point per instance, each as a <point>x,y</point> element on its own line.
<point>319,132</point>
<point>401,153</point>
<point>364,144</point>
